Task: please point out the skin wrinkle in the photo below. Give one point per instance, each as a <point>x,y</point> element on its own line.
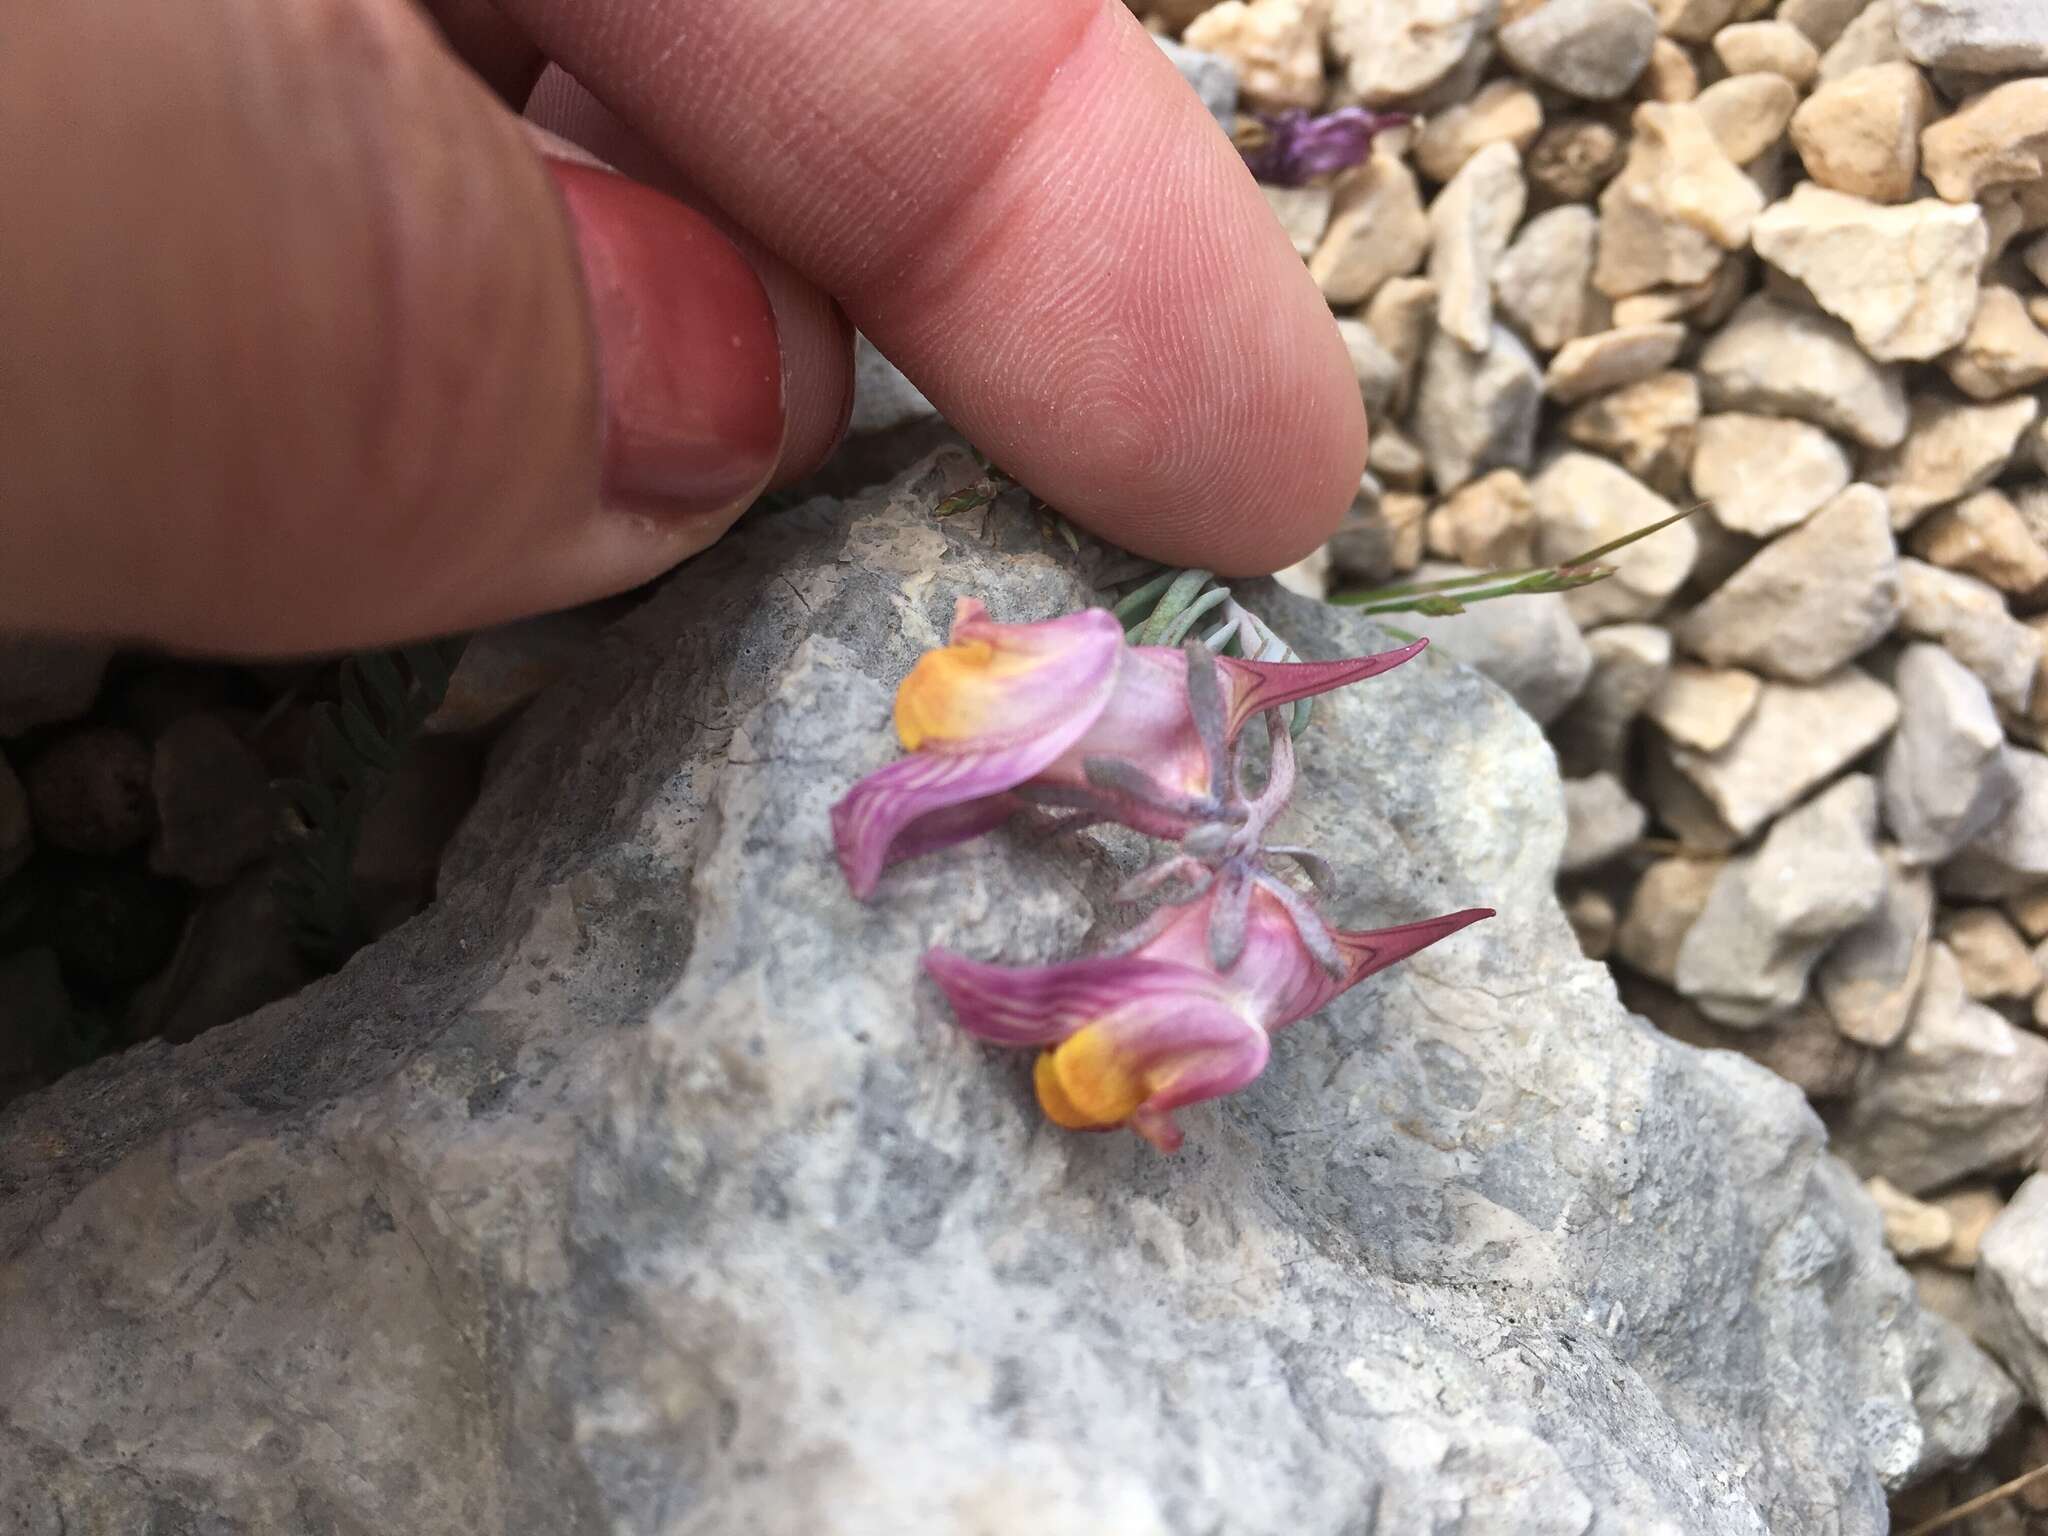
<point>1028,151</point>
<point>1121,413</point>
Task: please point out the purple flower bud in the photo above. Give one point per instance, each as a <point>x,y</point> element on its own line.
<point>1295,148</point>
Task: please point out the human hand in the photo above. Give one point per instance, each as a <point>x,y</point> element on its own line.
<point>308,341</point>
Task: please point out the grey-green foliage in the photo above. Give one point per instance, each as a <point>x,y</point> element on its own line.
<point>355,745</point>
<point>1175,604</point>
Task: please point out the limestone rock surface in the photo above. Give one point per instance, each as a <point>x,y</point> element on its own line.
<point>642,1187</point>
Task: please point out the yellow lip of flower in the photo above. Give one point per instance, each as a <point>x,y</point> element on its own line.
<point>952,692</point>
<point>1085,1084</point>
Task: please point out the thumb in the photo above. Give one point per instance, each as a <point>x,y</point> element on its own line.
<point>304,346</point>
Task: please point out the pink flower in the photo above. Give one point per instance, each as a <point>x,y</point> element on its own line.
<point>1062,713</point>
<point>1128,1038</point>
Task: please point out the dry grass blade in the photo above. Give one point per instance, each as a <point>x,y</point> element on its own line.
<point>1983,1501</point>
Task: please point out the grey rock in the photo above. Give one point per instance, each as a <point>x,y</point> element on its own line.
<point>1809,601</point>
<point>2010,857</point>
<point>642,1185</point>
<point>1703,707</point>
<point>35,1014</point>
<point>215,812</point>
<point>1778,756</point>
<point>1502,111</point>
<point>1488,523</point>
<point>1982,36</point>
<point>1913,1229</point>
<point>1630,663</point>
<point>1362,548</point>
<point>1589,48</point>
<point>1650,427</point>
<point>1678,206</point>
<point>17,829</point>
<point>503,668</point>
<point>1584,501</point>
<point>1377,371</point>
<point>1951,449</point>
<point>1379,231</point>
<point>1747,114</point>
<point>2012,1287</point>
<point>1475,412</point>
<point>1395,50</point>
<point>89,791</point>
<point>1871,38</point>
<point>1801,1047</point>
<point>1667,901</point>
<point>1775,360</point>
<point>1601,823</point>
<point>883,399</point>
<point>1592,917</point>
<point>1574,157</point>
<point>1869,978</point>
<point>1771,914</point>
<point>1304,212</point>
<point>1470,225</point>
<point>236,955</point>
<point>1821,20</point>
<point>1903,277</point>
<point>1543,283</point>
<point>1992,956</point>
<point>1962,1092</point>
<point>1610,360</point>
<point>1945,775</point>
<point>1401,315</point>
<point>1970,619</point>
<point>46,682</point>
<point>1213,77</point>
<point>1529,646</point>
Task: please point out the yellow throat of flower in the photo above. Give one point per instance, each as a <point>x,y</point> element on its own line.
<point>954,692</point>
<point>1084,1084</point>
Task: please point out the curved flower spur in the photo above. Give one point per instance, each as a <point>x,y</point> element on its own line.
<point>1061,714</point>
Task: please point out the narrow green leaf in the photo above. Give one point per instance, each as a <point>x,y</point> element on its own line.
<point>1593,555</point>
<point>1133,610</point>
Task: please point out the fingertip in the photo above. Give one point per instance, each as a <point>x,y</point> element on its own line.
<point>816,337</point>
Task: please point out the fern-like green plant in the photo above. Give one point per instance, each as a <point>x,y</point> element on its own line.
<point>356,744</point>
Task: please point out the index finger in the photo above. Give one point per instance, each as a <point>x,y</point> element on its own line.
<point>1024,206</point>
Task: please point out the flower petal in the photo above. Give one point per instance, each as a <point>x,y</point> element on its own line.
<point>997,685</point>
<point>1145,1061</point>
<point>1208,1074</point>
<point>1257,686</point>
<point>927,801</point>
<point>988,712</point>
<point>1038,1004</point>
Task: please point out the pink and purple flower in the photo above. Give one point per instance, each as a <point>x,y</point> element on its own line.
<point>1127,1039</point>
<point>1060,713</point>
